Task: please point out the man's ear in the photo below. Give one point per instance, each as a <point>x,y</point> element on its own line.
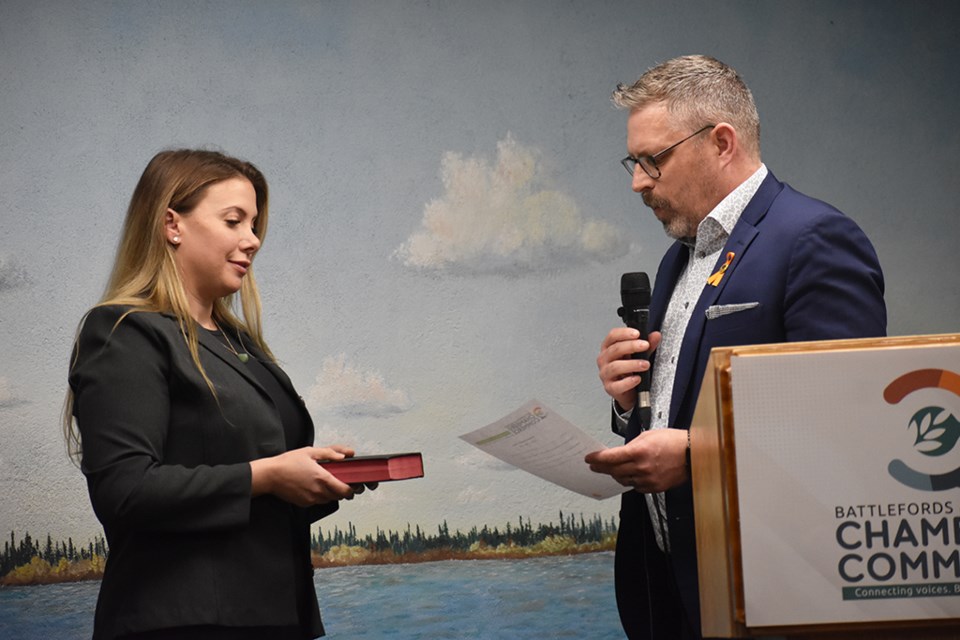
<point>171,226</point>
<point>726,141</point>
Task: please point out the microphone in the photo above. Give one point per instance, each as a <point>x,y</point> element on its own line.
<point>635,298</point>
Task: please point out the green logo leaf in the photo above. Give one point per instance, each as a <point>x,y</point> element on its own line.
<point>937,431</point>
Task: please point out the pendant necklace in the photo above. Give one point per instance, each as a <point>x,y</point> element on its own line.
<point>242,357</point>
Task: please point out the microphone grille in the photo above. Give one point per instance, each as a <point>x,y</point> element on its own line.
<point>635,290</point>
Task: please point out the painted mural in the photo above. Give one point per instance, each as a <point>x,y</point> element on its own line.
<point>449,223</point>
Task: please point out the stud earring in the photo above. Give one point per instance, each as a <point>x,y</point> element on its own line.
<point>176,239</point>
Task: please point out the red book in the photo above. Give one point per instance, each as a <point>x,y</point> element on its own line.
<point>391,466</point>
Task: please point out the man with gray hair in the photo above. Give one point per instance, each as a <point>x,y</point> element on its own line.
<point>754,262</point>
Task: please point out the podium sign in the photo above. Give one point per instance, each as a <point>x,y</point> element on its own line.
<point>831,478</point>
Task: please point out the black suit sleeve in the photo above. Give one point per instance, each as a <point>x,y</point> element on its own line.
<point>120,379</point>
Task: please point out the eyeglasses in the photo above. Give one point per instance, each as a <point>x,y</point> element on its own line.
<point>649,163</point>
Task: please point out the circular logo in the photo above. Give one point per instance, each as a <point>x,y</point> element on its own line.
<point>937,429</point>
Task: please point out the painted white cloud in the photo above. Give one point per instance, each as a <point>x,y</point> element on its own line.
<point>348,392</point>
<point>502,217</point>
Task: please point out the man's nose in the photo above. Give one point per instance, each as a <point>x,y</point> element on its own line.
<point>641,181</point>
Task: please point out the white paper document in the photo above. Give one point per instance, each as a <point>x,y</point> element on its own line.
<point>538,440</point>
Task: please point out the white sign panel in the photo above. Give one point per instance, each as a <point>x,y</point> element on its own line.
<point>848,468</point>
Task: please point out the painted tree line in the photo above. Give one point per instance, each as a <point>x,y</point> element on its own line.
<point>17,554</point>
<point>580,531</point>
<point>28,561</point>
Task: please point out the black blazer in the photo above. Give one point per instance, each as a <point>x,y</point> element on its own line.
<point>167,470</point>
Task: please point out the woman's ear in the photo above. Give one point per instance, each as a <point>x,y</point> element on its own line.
<point>171,225</point>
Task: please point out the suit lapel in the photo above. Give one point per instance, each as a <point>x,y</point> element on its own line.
<point>738,243</point>
<point>275,371</point>
<point>218,349</point>
<point>667,275</point>
<point>288,387</point>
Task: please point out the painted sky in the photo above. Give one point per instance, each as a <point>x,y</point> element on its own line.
<point>449,220</point>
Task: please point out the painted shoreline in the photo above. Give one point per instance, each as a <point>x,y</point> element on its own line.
<point>556,546</point>
<point>27,562</point>
<point>39,572</point>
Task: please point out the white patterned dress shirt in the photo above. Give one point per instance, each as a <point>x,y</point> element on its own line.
<point>712,235</point>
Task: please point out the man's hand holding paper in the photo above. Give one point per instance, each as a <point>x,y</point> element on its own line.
<point>654,461</point>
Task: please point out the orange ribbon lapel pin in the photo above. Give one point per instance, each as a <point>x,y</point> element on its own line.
<point>715,279</point>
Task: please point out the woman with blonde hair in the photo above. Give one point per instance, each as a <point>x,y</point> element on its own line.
<point>196,448</point>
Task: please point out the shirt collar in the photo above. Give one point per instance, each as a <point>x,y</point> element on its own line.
<point>713,231</point>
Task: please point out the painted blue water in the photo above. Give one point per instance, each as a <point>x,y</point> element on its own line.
<point>559,597</point>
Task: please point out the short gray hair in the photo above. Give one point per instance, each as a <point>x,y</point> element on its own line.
<point>698,90</point>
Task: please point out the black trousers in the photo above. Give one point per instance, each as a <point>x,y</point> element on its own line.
<point>647,596</point>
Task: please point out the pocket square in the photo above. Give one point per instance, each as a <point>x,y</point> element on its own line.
<point>719,310</point>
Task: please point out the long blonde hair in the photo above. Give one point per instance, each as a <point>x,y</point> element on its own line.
<point>145,276</point>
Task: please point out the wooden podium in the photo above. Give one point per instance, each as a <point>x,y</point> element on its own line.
<point>807,526</point>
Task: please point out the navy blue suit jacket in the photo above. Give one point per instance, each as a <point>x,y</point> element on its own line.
<point>814,276</point>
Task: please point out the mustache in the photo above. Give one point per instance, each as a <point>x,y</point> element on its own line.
<point>654,202</point>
